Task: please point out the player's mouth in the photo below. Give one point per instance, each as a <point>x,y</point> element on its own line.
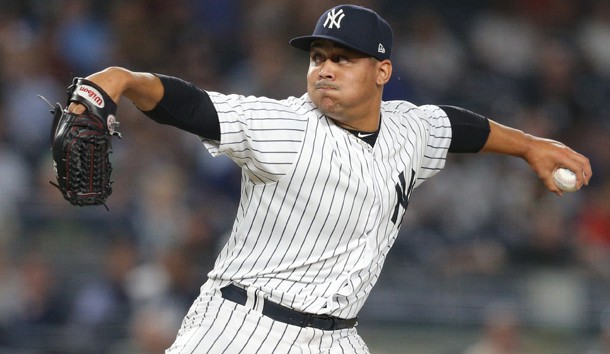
<point>325,85</point>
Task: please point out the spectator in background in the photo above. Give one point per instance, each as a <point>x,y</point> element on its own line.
<point>594,38</point>
<point>501,332</point>
<point>161,214</point>
<point>41,310</point>
<point>265,69</point>
<point>84,37</point>
<point>554,87</point>
<point>101,307</point>
<point>603,341</point>
<point>503,41</point>
<point>152,330</point>
<point>25,73</point>
<point>10,291</point>
<point>15,176</point>
<point>593,232</point>
<point>161,291</point>
<point>548,240</point>
<point>503,47</point>
<point>430,55</point>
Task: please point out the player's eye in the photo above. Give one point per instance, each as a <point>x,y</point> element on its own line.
<point>317,58</point>
<point>341,59</point>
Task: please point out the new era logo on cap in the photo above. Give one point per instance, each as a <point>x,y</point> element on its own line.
<point>355,27</point>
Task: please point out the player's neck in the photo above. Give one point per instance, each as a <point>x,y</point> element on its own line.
<point>369,137</point>
<point>368,123</point>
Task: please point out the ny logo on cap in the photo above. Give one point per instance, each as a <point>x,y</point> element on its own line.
<point>334,18</point>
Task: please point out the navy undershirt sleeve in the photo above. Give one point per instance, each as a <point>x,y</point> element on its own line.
<point>469,130</point>
<point>186,107</point>
<point>189,108</point>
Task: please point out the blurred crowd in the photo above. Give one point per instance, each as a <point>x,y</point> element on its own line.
<point>78,280</point>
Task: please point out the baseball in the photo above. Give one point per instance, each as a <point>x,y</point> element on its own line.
<point>565,180</point>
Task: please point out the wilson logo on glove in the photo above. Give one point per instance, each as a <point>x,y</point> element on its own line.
<point>81,144</point>
<point>90,94</point>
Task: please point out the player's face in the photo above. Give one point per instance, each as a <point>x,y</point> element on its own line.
<point>346,85</point>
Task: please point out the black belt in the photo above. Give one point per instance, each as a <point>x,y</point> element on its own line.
<point>287,315</point>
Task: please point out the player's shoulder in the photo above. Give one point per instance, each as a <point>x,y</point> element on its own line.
<point>261,105</point>
<point>397,106</point>
<point>301,103</point>
<point>405,110</point>
<point>297,105</point>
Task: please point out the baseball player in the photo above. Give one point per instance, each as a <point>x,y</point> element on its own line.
<point>326,180</point>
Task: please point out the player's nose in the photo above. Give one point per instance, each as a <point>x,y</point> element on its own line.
<point>326,71</point>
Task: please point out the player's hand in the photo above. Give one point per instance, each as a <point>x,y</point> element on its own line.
<point>145,90</point>
<point>109,80</point>
<point>544,156</point>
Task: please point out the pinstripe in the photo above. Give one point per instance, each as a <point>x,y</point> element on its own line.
<point>278,342</point>
<point>264,340</point>
<point>308,226</point>
<point>341,347</point>
<point>321,339</point>
<point>313,226</point>
<point>226,323</point>
<point>250,336</point>
<point>237,252</point>
<point>326,242</point>
<point>299,336</point>
<point>200,339</point>
<point>291,214</point>
<point>194,332</point>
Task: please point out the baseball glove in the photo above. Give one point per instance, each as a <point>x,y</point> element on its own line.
<point>81,144</point>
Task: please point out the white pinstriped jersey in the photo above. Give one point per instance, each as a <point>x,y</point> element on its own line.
<point>319,207</point>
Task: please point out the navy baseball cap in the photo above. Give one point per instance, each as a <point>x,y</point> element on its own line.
<point>355,27</point>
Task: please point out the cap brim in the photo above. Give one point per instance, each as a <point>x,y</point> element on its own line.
<point>304,43</point>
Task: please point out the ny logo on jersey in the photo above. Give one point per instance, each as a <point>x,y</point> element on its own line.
<point>403,194</point>
<point>334,18</point>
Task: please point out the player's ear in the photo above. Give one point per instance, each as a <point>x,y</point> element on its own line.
<point>384,72</point>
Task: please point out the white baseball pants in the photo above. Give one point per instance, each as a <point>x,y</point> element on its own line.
<point>215,325</point>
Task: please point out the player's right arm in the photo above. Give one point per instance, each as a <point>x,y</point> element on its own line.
<point>543,155</point>
<point>473,133</point>
<point>165,99</point>
<point>143,89</point>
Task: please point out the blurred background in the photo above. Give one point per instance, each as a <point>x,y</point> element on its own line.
<point>487,261</point>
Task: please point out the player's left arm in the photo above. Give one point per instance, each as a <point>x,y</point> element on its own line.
<point>543,155</point>
<point>472,132</point>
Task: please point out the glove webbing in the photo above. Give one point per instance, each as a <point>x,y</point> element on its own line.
<point>88,155</point>
<point>84,163</point>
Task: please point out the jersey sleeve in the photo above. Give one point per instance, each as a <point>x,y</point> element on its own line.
<point>437,142</point>
<point>261,135</point>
